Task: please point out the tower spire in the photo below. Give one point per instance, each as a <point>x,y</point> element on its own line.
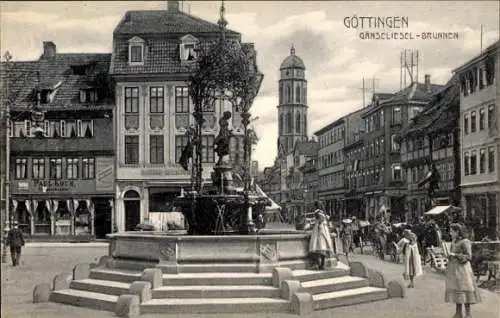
<point>292,50</point>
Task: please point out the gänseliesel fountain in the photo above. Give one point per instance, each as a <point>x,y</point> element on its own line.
<point>223,220</point>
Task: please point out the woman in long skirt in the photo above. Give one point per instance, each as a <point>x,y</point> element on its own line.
<point>408,246</point>
<point>461,287</point>
<point>320,245</point>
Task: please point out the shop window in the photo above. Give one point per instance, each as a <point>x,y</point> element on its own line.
<point>63,219</point>
<point>82,218</point>
<point>42,217</point>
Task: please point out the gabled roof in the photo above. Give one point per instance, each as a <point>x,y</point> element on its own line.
<point>415,92</point>
<point>307,148</point>
<point>437,111</point>
<point>47,73</point>
<point>165,22</point>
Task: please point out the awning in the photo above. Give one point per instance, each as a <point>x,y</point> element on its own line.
<point>442,209</point>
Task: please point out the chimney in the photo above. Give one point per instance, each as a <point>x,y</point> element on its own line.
<point>49,50</point>
<point>173,6</point>
<point>427,82</point>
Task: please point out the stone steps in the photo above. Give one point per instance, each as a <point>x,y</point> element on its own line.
<point>196,279</point>
<point>215,305</point>
<point>304,275</point>
<point>211,268</point>
<point>216,291</point>
<point>348,297</point>
<point>335,284</point>
<point>115,274</point>
<point>101,286</point>
<point>81,298</point>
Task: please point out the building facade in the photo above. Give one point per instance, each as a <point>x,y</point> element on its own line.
<point>310,179</point>
<point>353,164</point>
<point>383,177</point>
<point>480,137</point>
<point>303,154</point>
<point>61,146</point>
<point>153,55</point>
<point>331,168</point>
<point>271,182</point>
<point>432,138</point>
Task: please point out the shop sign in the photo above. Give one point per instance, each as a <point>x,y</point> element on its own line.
<point>54,185</point>
<point>150,172</point>
<point>104,177</point>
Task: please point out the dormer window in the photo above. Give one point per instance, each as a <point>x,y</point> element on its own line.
<point>88,96</point>
<point>136,51</point>
<point>188,47</point>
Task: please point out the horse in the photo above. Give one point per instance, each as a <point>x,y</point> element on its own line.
<point>428,234</point>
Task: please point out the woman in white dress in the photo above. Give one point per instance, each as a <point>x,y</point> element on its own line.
<point>408,247</point>
<point>320,245</point>
<point>461,286</point>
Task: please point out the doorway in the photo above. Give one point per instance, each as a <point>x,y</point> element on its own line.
<point>132,214</point>
<point>102,221</point>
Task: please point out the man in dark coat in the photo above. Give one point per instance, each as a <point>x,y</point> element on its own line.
<point>15,240</point>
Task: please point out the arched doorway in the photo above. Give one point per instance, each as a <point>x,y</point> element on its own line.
<point>132,202</point>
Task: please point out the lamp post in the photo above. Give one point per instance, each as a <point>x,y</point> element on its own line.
<point>6,217</point>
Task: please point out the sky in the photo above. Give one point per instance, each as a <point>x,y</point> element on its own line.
<point>336,57</point>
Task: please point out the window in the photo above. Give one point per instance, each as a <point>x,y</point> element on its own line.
<point>136,53</point>
<point>181,100</point>
<point>71,129</point>
<point>382,119</point>
<point>88,168</point>
<point>396,172</point>
<point>297,123</point>
<point>482,78</point>
<point>482,160</point>
<point>473,121</point>
<point>72,168</point>
<point>180,143</point>
<point>490,70</point>
<point>396,115</point>
<point>131,149</point>
<point>156,149</point>
<point>473,162</point>
<point>481,119</point>
<point>55,168</point>
<point>38,167</point>
<point>21,168</point>
<point>46,128</point>
<point>395,144</point>
<point>466,164</point>
<point>491,159</point>
<point>92,94</point>
<point>188,52</point>
<point>466,124</point>
<point>156,100</point>
<point>131,99</point>
<point>19,129</point>
<point>27,127</point>
<point>207,150</point>
<point>297,94</point>
<point>85,128</point>
<point>491,116</point>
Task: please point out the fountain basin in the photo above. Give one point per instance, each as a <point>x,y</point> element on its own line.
<point>179,253</point>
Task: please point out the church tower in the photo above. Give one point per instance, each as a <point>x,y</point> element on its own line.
<point>292,108</point>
